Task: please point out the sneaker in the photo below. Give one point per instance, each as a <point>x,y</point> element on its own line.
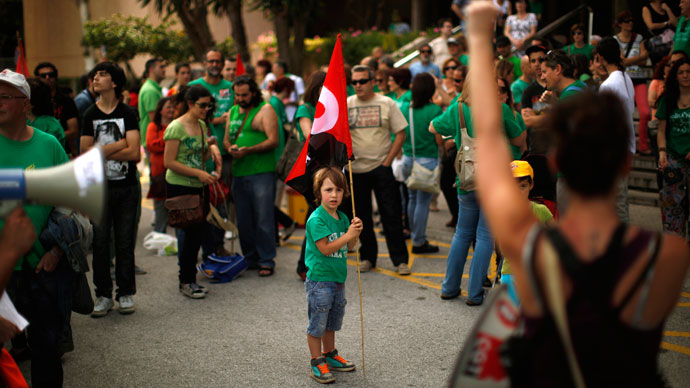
<point>287,232</point>
<point>126,304</point>
<point>191,290</point>
<point>139,271</point>
<point>202,288</point>
<point>320,371</point>
<point>425,248</point>
<point>365,266</point>
<point>102,306</point>
<point>403,269</point>
<point>337,363</point>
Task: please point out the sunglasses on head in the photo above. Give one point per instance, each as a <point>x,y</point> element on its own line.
<point>204,105</point>
<point>363,81</point>
<point>449,68</point>
<point>51,74</point>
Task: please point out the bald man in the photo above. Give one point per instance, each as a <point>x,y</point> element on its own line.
<point>522,82</point>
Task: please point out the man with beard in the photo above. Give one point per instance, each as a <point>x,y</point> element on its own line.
<point>251,138</point>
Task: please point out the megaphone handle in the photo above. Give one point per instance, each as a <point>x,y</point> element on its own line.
<point>6,207</point>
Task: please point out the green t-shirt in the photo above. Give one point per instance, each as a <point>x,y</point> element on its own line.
<point>585,50</point>
<point>350,90</point>
<point>279,108</point>
<point>149,94</point>
<point>305,110</point>
<point>464,59</point>
<point>681,40</point>
<point>535,7</point>
<point>448,124</point>
<point>391,95</point>
<point>573,89</point>
<point>49,125</point>
<point>517,88</point>
<point>41,151</point>
<point>543,214</point>
<point>677,129</point>
<point>332,268</point>
<point>517,71</point>
<point>189,153</point>
<point>425,141</point>
<point>250,164</point>
<point>225,98</point>
<point>404,98</point>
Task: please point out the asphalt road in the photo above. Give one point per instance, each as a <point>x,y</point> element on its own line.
<point>251,332</point>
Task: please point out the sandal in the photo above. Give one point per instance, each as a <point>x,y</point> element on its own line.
<point>265,271</point>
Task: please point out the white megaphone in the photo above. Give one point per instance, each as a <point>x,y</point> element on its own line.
<point>79,185</point>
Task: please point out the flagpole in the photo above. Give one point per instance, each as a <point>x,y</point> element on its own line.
<point>359,277</point>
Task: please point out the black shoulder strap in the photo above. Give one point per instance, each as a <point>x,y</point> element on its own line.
<point>652,260</point>
<point>630,44</point>
<point>565,252</point>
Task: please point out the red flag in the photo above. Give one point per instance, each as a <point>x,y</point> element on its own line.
<point>329,143</point>
<point>240,67</point>
<point>21,59</point>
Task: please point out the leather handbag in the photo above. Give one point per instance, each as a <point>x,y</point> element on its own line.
<point>187,210</point>
<point>465,159</point>
<point>422,178</point>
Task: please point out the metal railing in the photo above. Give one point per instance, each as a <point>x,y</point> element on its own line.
<point>539,34</point>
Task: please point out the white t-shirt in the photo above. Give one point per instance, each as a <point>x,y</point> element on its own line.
<point>439,46</point>
<point>372,122</point>
<point>290,110</point>
<point>621,85</point>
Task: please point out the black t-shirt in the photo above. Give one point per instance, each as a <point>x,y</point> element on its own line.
<point>532,94</point>
<point>64,109</point>
<point>109,128</point>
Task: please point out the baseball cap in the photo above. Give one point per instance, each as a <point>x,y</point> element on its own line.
<point>521,169</point>
<point>452,41</point>
<point>17,80</point>
<point>535,48</point>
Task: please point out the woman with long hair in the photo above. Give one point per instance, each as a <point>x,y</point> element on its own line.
<point>618,283</point>
<point>306,112</point>
<point>155,144</point>
<point>673,138</point>
<point>634,55</point>
<point>41,114</point>
<point>656,87</point>
<point>420,147</point>
<point>186,150</point>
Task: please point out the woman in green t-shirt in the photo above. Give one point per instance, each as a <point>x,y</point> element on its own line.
<point>306,112</point>
<point>41,114</point>
<point>579,44</point>
<point>186,150</point>
<point>399,83</point>
<point>421,147</point>
<point>673,139</point>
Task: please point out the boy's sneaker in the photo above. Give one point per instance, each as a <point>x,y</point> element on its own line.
<point>338,363</point>
<point>202,288</point>
<point>102,306</point>
<point>126,304</point>
<point>320,371</point>
<point>191,290</point>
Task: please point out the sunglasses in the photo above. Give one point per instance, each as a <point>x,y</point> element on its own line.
<point>51,74</point>
<point>204,105</point>
<point>363,81</point>
<point>425,51</point>
<point>449,68</point>
<point>5,97</point>
<point>459,80</point>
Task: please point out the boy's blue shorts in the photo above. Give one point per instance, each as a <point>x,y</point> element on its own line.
<point>326,302</point>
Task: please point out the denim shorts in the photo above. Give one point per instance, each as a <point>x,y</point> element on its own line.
<point>326,301</point>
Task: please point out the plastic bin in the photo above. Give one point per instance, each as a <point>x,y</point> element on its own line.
<point>297,207</point>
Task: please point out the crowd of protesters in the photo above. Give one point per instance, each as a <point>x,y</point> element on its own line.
<point>227,132</point>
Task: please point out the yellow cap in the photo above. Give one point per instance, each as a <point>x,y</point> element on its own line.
<point>521,169</point>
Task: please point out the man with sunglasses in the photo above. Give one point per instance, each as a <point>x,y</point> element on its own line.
<point>373,119</point>
<point>22,146</point>
<point>113,125</point>
<point>424,64</point>
<point>64,108</point>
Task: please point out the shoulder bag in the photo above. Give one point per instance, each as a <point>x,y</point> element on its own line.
<point>421,178</point>
<point>187,210</point>
<point>465,158</point>
<point>293,147</point>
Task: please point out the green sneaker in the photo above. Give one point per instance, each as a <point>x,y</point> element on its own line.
<point>320,371</point>
<point>338,363</point>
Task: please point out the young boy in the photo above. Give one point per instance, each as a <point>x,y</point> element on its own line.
<point>328,231</point>
<point>524,175</point>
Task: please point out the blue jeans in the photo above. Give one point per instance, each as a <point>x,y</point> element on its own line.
<point>471,221</point>
<point>254,196</point>
<point>326,301</point>
<point>419,201</point>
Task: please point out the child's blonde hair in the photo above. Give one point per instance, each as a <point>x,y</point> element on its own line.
<point>335,175</point>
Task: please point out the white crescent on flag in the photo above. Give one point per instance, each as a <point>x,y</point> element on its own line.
<point>330,112</point>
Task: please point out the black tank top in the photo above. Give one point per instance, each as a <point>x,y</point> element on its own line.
<point>610,352</point>
<point>657,18</point>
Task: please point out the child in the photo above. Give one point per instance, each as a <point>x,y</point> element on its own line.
<point>523,174</point>
<point>328,231</point>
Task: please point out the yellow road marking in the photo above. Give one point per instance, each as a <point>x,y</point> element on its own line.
<point>683,305</point>
<point>677,334</point>
<point>675,348</point>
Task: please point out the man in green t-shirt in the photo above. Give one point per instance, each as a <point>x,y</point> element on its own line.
<point>150,93</point>
<point>520,84</point>
<point>24,147</point>
<point>681,39</point>
<point>503,49</point>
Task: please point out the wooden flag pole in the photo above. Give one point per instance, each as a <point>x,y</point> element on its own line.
<point>359,277</point>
